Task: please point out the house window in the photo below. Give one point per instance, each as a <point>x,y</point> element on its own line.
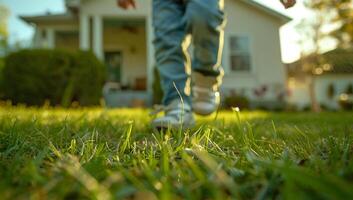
<point>114,62</point>
<point>43,34</point>
<point>240,58</point>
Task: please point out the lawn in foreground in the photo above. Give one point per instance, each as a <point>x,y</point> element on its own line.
<point>100,154</point>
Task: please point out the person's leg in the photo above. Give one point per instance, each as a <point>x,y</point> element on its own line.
<point>171,60</point>
<point>169,27</point>
<point>205,21</point>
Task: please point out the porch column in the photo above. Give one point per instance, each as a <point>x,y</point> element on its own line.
<point>150,55</point>
<point>98,36</point>
<point>84,32</point>
<point>50,38</point>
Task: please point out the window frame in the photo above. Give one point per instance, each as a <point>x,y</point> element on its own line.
<point>230,53</point>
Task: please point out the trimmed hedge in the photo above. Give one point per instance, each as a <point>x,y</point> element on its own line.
<point>33,77</point>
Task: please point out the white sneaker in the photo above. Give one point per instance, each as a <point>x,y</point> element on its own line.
<point>206,96</point>
<point>176,115</point>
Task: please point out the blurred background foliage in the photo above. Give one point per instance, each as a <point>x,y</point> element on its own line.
<point>58,77</point>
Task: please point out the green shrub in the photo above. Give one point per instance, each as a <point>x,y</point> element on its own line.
<point>346,102</point>
<point>35,76</point>
<point>234,100</point>
<point>349,89</point>
<point>2,63</point>
<point>157,90</point>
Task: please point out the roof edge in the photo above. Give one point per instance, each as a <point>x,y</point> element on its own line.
<point>285,19</point>
<point>47,17</point>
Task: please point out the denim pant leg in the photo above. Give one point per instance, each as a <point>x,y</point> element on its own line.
<point>205,21</point>
<point>169,27</point>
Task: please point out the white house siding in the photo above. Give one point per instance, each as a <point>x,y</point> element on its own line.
<point>300,95</point>
<point>44,31</point>
<point>70,42</point>
<point>133,48</point>
<point>109,8</point>
<point>340,83</point>
<point>263,31</point>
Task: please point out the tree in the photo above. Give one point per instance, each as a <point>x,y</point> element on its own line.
<point>340,19</point>
<point>344,20</point>
<point>312,34</point>
<point>4,14</point>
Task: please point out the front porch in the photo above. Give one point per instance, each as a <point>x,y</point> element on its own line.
<point>122,43</point>
<point>115,97</point>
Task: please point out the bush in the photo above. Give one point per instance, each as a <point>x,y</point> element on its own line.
<point>236,101</point>
<point>34,76</point>
<point>157,90</point>
<point>1,63</point>
<point>346,102</point>
<point>349,89</point>
<point>1,77</point>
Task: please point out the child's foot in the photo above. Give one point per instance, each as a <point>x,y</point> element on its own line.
<point>177,115</point>
<point>206,97</point>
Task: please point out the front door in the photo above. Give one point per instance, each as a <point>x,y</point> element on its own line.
<point>114,61</point>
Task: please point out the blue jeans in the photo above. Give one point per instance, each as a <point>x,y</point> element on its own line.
<point>174,21</point>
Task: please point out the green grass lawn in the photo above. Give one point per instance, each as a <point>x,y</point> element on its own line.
<point>99,154</point>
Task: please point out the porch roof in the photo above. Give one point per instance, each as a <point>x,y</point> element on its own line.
<point>339,60</point>
<point>62,17</point>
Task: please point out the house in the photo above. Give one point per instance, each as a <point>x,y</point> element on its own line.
<point>123,39</point>
<point>332,81</point>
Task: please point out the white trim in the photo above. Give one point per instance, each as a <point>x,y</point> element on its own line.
<point>270,11</point>
<point>66,28</point>
<point>150,54</point>
<point>98,36</point>
<point>50,38</point>
<point>84,32</point>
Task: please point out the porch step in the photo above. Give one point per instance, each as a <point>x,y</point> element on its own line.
<point>130,99</point>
